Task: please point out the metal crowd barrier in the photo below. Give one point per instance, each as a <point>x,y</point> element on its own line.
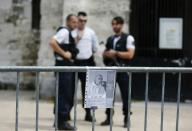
<point>130,70</point>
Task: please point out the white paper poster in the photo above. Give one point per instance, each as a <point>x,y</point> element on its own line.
<point>100,88</point>
<point>171,33</point>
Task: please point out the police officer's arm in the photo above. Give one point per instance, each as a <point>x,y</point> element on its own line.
<point>129,54</point>
<point>108,53</point>
<point>60,37</point>
<point>56,48</point>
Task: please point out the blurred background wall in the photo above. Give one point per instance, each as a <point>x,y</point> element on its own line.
<point>19,44</point>
<point>26,27</point>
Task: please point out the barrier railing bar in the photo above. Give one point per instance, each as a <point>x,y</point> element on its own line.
<point>146,100</point>
<point>162,101</point>
<point>17,102</point>
<point>84,69</point>
<point>111,119</point>
<point>93,120</point>
<point>37,101</point>
<point>129,102</point>
<point>56,100</point>
<point>75,99</point>
<point>131,70</point>
<point>178,101</point>
<point>112,109</point>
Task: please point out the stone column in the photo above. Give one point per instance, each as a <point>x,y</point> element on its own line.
<point>51,12</point>
<point>18,44</point>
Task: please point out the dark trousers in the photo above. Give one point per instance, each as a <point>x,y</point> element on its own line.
<point>66,93</point>
<point>123,81</point>
<point>82,76</point>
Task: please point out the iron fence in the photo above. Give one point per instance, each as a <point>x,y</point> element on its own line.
<point>129,70</point>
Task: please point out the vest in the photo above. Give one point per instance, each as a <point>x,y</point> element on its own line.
<point>120,46</point>
<point>71,47</point>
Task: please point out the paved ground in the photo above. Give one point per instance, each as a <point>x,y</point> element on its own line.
<point>27,115</point>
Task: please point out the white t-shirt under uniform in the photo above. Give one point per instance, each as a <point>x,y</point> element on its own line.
<point>130,42</point>
<point>87,45</point>
<point>62,37</point>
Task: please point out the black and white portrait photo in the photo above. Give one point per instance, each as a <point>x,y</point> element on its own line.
<point>100,86</point>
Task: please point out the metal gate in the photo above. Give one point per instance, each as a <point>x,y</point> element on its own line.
<point>144,26</point>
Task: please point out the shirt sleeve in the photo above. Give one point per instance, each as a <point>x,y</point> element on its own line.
<point>130,42</point>
<point>95,43</point>
<point>62,36</point>
<point>74,33</point>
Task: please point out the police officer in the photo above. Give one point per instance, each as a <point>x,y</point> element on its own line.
<point>120,50</point>
<point>87,44</point>
<point>63,45</point>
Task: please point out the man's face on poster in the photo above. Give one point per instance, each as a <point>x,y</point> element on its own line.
<point>98,80</point>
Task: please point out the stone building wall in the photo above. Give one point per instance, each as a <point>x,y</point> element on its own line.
<point>100,13</point>
<point>52,13</point>
<point>18,44</point>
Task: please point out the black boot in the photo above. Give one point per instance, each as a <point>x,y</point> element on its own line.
<point>68,119</point>
<point>126,120</point>
<point>65,126</point>
<point>106,122</point>
<point>88,116</point>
